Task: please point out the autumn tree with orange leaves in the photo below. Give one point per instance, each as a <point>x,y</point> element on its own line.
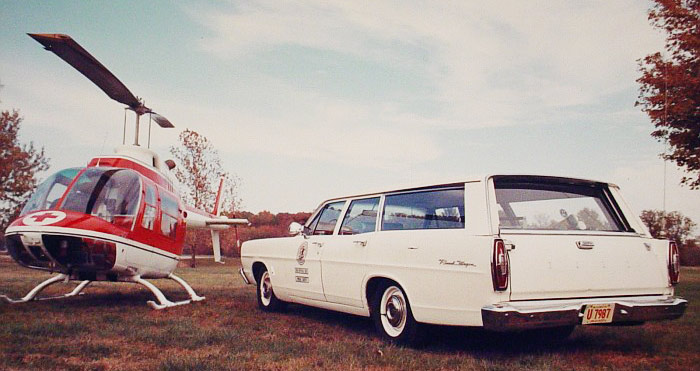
<point>199,170</point>
<point>18,168</point>
<point>670,86</point>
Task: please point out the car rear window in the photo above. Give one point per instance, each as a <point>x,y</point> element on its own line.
<point>552,205</point>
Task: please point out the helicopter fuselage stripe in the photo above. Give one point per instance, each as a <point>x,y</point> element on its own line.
<point>74,232</point>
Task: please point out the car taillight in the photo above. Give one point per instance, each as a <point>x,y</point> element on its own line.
<point>674,263</point>
<point>499,266</point>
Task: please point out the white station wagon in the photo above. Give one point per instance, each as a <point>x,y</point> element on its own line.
<point>506,252</point>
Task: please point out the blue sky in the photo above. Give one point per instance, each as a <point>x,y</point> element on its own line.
<point>317,99</point>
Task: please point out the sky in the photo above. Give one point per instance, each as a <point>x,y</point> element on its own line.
<point>308,100</point>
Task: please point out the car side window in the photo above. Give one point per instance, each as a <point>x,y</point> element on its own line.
<point>327,218</point>
<point>361,216</point>
<point>432,209</point>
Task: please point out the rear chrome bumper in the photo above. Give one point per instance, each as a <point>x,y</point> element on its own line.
<point>525,315</point>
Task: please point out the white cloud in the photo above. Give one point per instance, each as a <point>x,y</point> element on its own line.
<point>502,64</point>
<point>318,128</point>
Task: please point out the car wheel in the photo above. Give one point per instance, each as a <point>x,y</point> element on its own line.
<point>267,301</point>
<point>392,316</point>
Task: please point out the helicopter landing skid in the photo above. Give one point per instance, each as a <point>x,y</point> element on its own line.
<point>40,287</point>
<point>163,302</point>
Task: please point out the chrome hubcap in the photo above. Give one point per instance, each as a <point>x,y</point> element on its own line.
<point>394,311</point>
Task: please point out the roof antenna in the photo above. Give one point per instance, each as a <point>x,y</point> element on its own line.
<point>663,218</point>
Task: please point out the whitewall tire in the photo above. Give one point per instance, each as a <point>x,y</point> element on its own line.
<point>392,316</point>
<point>267,301</point>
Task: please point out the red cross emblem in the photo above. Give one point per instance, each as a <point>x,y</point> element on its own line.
<point>40,218</point>
<point>44,218</point>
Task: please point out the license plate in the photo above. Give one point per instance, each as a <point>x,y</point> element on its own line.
<point>598,313</point>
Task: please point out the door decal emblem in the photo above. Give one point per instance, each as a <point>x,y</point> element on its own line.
<point>301,253</point>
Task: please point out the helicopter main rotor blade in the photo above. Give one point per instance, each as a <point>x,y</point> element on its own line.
<point>70,51</point>
<point>162,121</point>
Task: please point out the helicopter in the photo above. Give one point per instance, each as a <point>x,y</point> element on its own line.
<point>118,219</point>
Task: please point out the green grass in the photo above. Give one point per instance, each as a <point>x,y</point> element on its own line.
<point>112,328</point>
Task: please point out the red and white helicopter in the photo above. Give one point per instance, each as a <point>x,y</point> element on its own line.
<point>118,219</point>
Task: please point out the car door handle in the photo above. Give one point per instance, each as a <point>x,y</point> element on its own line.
<point>585,245</point>
<point>319,244</point>
<point>361,243</point>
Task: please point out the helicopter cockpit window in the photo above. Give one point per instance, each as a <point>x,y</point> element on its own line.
<point>49,192</point>
<point>111,194</point>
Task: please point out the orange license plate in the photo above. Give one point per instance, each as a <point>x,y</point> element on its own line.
<point>598,313</point>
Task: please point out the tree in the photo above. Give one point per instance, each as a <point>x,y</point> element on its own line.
<point>674,225</point>
<point>199,170</point>
<point>669,90</point>
<point>267,225</point>
<point>18,168</point>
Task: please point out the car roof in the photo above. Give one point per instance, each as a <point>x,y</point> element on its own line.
<point>416,186</point>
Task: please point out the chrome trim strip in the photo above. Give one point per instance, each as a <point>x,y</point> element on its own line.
<point>245,279</point>
<point>513,231</point>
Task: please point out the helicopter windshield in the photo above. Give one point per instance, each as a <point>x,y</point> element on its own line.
<point>109,193</point>
<point>49,192</point>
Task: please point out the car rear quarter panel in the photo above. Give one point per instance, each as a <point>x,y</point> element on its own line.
<point>446,274</point>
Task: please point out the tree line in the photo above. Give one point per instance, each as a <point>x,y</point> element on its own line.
<point>262,225</point>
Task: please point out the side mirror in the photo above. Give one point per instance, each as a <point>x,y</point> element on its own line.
<point>295,228</point>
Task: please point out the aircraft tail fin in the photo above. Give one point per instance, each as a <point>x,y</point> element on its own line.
<point>219,199</point>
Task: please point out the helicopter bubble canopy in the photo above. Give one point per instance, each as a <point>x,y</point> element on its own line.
<point>112,194</point>
<point>49,192</point>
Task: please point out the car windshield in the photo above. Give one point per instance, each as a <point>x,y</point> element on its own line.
<point>49,192</point>
<point>107,193</point>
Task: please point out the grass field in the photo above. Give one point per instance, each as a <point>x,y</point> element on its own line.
<point>112,328</point>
